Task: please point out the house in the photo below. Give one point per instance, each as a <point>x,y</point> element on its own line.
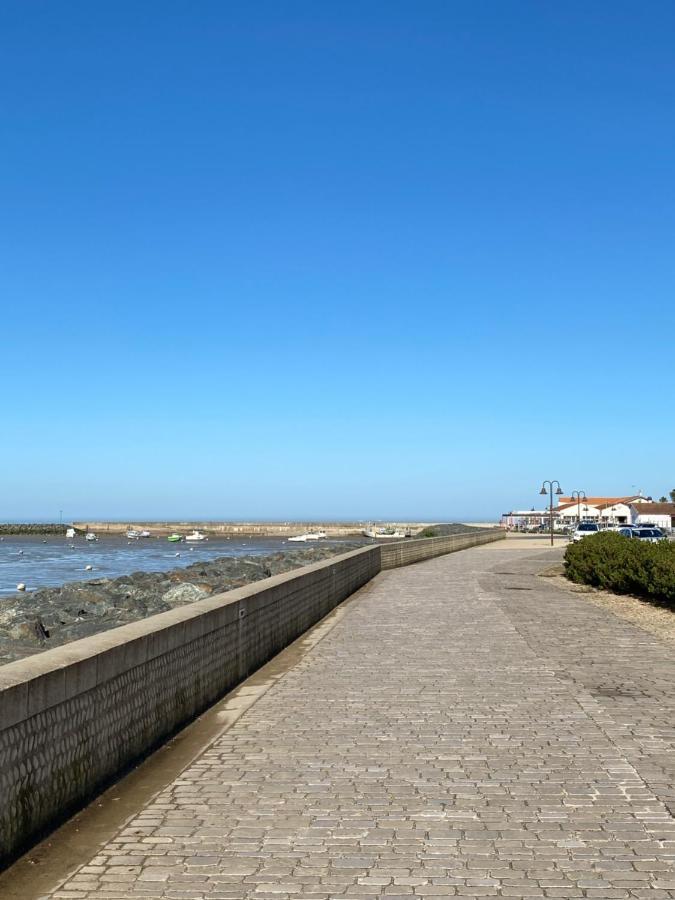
<point>571,513</point>
<point>603,510</point>
<point>660,514</point>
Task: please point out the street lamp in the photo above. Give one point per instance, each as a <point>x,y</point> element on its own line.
<point>578,496</point>
<point>544,490</point>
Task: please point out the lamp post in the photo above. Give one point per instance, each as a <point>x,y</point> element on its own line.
<point>544,490</point>
<point>579,495</point>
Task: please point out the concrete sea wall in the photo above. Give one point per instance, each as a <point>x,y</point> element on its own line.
<point>74,717</point>
<point>403,553</point>
<point>243,529</point>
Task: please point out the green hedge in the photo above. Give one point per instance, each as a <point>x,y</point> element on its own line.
<point>625,565</point>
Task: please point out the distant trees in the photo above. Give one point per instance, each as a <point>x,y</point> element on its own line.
<point>663,499</point>
<point>672,495</point>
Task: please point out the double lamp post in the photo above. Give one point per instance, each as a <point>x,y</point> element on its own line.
<point>545,490</point>
<point>576,495</point>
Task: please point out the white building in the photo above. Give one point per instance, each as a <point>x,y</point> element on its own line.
<point>603,510</point>
<point>660,514</point>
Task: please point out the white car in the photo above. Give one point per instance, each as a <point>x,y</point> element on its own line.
<point>583,529</point>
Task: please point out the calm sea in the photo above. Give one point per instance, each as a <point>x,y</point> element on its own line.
<point>49,562</point>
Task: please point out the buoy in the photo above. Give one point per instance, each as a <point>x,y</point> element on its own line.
<point>20,552</point>
<point>44,542</point>
<point>88,568</point>
<point>21,586</point>
<point>176,554</point>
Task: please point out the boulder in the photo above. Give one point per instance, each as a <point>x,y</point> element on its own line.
<point>180,594</point>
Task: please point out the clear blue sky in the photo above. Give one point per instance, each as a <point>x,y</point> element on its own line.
<point>300,259</point>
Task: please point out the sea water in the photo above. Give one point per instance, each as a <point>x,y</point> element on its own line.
<point>50,561</point>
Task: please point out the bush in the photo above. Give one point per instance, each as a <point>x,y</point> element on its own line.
<point>625,565</point>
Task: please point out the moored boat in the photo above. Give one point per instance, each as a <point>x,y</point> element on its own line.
<point>308,536</point>
<point>90,536</point>
<point>196,536</point>
<point>174,538</point>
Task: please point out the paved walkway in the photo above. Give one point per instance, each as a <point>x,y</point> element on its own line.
<point>466,728</point>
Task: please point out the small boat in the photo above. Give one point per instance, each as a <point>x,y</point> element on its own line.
<point>132,534</point>
<point>90,536</point>
<point>70,532</point>
<point>175,537</point>
<point>308,536</point>
<point>144,534</point>
<point>196,536</point>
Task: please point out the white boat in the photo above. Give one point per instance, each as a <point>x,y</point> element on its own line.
<point>144,534</point>
<point>308,536</point>
<point>133,534</point>
<point>70,532</point>
<point>196,536</point>
<point>90,536</point>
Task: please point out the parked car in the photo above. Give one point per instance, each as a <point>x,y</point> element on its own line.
<point>583,529</point>
<point>652,535</point>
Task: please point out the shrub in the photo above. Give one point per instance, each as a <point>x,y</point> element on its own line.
<point>625,565</point>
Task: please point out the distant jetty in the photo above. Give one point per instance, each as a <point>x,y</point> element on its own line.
<point>241,529</point>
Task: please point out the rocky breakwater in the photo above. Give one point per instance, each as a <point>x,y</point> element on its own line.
<point>35,528</point>
<point>31,623</point>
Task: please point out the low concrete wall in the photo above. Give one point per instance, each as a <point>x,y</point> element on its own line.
<point>403,553</point>
<point>74,717</point>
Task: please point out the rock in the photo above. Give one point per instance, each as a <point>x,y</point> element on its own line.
<point>31,632</point>
<point>181,594</point>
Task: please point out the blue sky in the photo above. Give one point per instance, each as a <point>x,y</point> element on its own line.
<point>374,260</point>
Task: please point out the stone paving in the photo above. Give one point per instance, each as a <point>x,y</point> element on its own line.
<point>466,729</point>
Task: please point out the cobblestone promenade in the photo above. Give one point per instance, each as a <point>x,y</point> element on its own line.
<point>466,728</point>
